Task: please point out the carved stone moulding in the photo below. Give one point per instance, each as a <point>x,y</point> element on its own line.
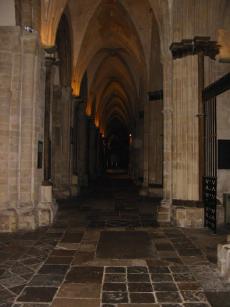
<point>199,44</point>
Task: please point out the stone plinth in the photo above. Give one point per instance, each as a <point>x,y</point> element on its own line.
<point>47,208</point>
<point>223,256</point>
<point>188,217</point>
<point>164,213</point>
<point>8,220</point>
<point>26,217</point>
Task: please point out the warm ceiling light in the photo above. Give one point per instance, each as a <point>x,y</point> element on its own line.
<point>224,43</point>
<point>75,88</point>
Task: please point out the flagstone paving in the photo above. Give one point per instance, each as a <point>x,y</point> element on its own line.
<point>106,250</point>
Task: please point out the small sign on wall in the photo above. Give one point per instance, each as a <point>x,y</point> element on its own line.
<point>40,154</point>
<point>223,154</point>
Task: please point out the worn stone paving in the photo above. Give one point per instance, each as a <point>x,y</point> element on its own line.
<point>78,262</point>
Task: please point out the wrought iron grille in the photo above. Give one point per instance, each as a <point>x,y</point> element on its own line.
<point>210,148</point>
<point>210,167</point>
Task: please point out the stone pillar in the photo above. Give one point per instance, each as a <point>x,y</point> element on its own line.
<point>153,145</point>
<point>20,101</point>
<point>185,130</point>
<point>155,149</point>
<point>61,141</point>
<point>138,146</point>
<point>144,189</point>
<point>100,155</point>
<point>47,119</point>
<point>21,130</point>
<point>167,135</point>
<point>46,207</point>
<point>82,145</point>
<point>92,150</point>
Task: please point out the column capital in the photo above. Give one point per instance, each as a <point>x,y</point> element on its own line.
<point>198,44</point>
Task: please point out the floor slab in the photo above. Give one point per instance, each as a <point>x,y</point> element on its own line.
<point>125,245</point>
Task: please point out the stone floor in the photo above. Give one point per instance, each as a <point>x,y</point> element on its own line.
<point>105,249</point>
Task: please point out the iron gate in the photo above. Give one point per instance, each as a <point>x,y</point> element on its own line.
<point>210,149</point>
<point>210,168</point>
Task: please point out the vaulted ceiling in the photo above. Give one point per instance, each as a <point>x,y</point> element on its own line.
<point>120,45</point>
<point>111,41</point>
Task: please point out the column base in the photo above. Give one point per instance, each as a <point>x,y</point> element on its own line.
<point>47,208</point>
<point>21,218</point>
<point>8,220</point>
<point>223,261</point>
<point>26,217</point>
<point>164,211</point>
<point>188,213</point>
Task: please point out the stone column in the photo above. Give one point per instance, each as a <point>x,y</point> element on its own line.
<point>92,150</point>
<point>21,131</point>
<point>82,145</point>
<point>20,128</point>
<point>49,61</point>
<point>61,141</point>
<point>100,155</point>
<point>167,115</point>
<point>144,189</point>
<point>46,208</point>
<point>139,150</point>
<point>185,130</point>
<point>187,127</point>
<point>155,149</point>
<point>164,213</point>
